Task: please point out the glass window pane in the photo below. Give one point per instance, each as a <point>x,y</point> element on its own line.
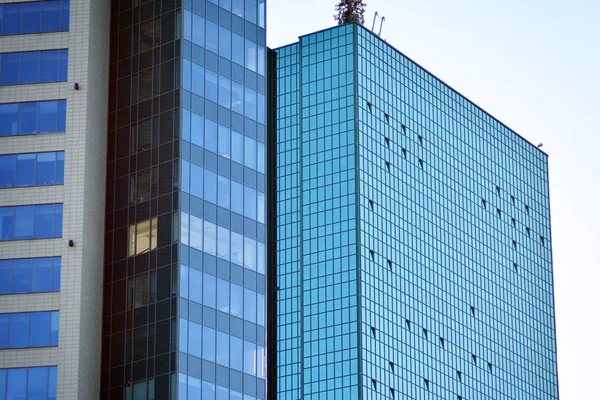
<point>195,339</point>
<point>51,383</point>
<point>51,16</point>
<point>19,330</point>
<point>210,186</point>
<point>225,42</point>
<point>250,55</point>
<point>238,47</point>
<point>237,353</point>
<point>222,349</point>
<point>260,309</point>
<point>223,295</point>
<point>250,305</point>
<point>16,384</point>
<point>56,273</point>
<point>250,152</point>
<point>62,116</point>
<point>8,119</point>
<point>11,20</point>
<point>44,220</point>
<point>195,286</point>
<point>249,202</point>
<point>184,281</point>
<point>64,65</point>
<point>208,344</point>
<point>224,141</point>
<point>237,8</point>
<point>211,87</point>
<point>50,66</point>
<point>42,275</point>
<point>212,37</point>
<point>237,301</point>
<point>7,219</point>
<point>224,195</point>
<point>21,276</point>
<point>223,243</point>
<point>28,115</point>
<point>260,201</point>
<point>187,24</point>
<point>9,69</point>
<point>196,232</point>
<point>5,276</point>
<point>260,157</point>
<point>224,92</point>
<point>197,130</point>
<point>64,16</point>
<point>30,66</point>
<point>197,181</point>
<point>23,222</point>
<point>48,121</point>
<point>197,79</point>
<point>237,147</point>
<point>25,169</point>
<point>45,169</point>
<point>250,104</point>
<point>251,11</point>
<point>250,253</point>
<point>4,324</point>
<point>208,391</point>
<point>54,328</point>
<point>210,291</point>
<point>211,136</point>
<point>40,329</point>
<point>237,248</point>
<point>261,266</point>
<point>60,168</point>
<point>237,97</point>
<point>194,388</point>
<point>8,165</point>
<point>198,30</point>
<point>58,220</point>
<point>249,358</point>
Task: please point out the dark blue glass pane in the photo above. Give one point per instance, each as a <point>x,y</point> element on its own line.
<point>21,276</point>
<point>60,168</point>
<point>64,16</point>
<point>19,331</point>
<point>30,67</point>
<point>4,331</point>
<point>45,169</point>
<point>251,11</point>
<point>42,275</point>
<point>5,273</point>
<point>8,119</point>
<point>16,384</point>
<point>50,61</point>
<point>37,387</point>
<point>51,383</point>
<point>48,117</point>
<point>44,220</point>
<point>197,79</point>
<point>56,273</point>
<point>32,17</point>
<point>7,215</point>
<point>237,8</point>
<point>9,70</point>
<point>28,115</point>
<point>64,65</point>
<point>7,170</point>
<point>12,19</point>
<point>210,186</point>
<point>198,30</point>
<point>51,16</point>
<point>62,116</point>
<point>211,86</point>
<point>40,329</point>
<point>212,37</point>
<point>58,220</point>
<point>23,222</point>
<point>25,170</point>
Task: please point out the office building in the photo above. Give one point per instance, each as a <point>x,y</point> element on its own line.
<point>185,269</point>
<point>410,250</point>
<point>53,91</point>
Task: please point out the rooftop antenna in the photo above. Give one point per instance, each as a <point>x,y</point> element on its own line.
<point>382,19</point>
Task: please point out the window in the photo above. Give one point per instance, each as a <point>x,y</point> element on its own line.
<point>35,383</point>
<point>373,331</point>
<point>516,266</point>
<point>490,366</point>
<point>369,106</point>
<point>392,366</point>
<point>374,384</point>
<point>24,330</point>
<point>425,333</point>
<point>420,162</point>
<point>426,381</point>
<point>404,152</point>
<point>34,17</point>
<point>143,237</point>
<point>33,67</point>
<point>420,139</point>
<point>41,221</point>
<point>387,142</point>
<point>473,310</point>
<point>387,117</point>
<point>408,324</point>
<point>459,375</point>
<point>33,118</point>
<point>474,357</point>
<point>35,169</point>
<point>443,342</point>
<point>30,275</point>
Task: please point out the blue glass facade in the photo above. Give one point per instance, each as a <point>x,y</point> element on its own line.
<point>186,202</point>
<point>37,383</point>
<point>412,234</point>
<point>34,17</point>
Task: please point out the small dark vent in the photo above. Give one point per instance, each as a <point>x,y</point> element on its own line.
<point>372,253</point>
<point>387,117</point>
<point>473,310</point>
<point>498,189</point>
<point>474,358</point>
<point>389,262</point>
<point>443,342</point>
<point>459,397</point>
<point>404,152</point>
<point>392,366</point>
<point>542,240</point>
<point>387,142</point>
<point>512,198</point>
<point>528,229</point>
<point>421,162</point>
<point>374,384</point>
<point>369,106</point>
<point>499,212</point>
<point>514,244</point>
<point>490,366</point>
<point>484,203</point>
<point>373,331</point>
<point>420,139</point>
<point>527,209</point>
<point>392,393</point>
<point>514,222</point>
<point>426,381</point>
<point>372,205</point>
<point>408,324</point>
<point>425,333</point>
<point>516,266</point>
<point>403,128</point>
<point>459,375</point>
<point>387,165</point>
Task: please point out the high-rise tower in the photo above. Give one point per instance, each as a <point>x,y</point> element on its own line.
<point>53,91</point>
<point>411,247</point>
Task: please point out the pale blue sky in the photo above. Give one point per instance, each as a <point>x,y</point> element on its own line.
<point>534,65</point>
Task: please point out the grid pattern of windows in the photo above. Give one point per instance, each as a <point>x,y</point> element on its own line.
<point>34,17</point>
<point>41,221</point>
<point>423,220</point>
<point>25,330</point>
<point>33,169</point>
<point>441,300</point>
<point>30,275</point>
<point>223,210</point>
<point>29,67</point>
<point>36,117</point>
<point>35,383</point>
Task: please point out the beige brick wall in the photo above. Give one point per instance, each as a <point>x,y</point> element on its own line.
<point>83,195</point>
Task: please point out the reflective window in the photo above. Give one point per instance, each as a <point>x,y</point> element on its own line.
<point>22,330</point>
<point>33,67</point>
<point>35,383</point>
<point>33,118</point>
<point>40,221</point>
<point>35,169</point>
<point>143,237</point>
<point>30,275</point>
<point>34,17</point>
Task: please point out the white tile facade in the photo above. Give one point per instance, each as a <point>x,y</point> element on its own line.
<point>83,195</point>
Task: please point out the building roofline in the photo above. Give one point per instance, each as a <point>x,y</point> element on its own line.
<point>428,72</point>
